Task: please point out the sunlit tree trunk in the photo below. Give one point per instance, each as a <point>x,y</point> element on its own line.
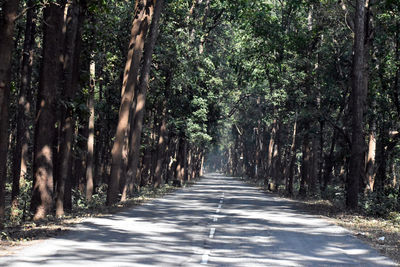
<point>90,142</point>
<point>370,165</point>
<point>72,23</point>
<point>141,22</point>
<point>45,134</point>
<point>139,111</point>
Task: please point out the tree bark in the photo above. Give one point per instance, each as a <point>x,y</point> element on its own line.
<point>143,14</point>
<point>9,11</point>
<point>370,166</point>
<point>161,147</point>
<point>90,141</point>
<point>45,134</point>
<point>21,157</point>
<point>72,24</point>
<point>290,172</point>
<point>271,150</point>
<point>136,128</point>
<point>305,166</point>
<point>359,90</point>
<point>329,162</point>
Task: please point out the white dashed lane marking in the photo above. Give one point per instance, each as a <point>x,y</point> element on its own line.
<point>212,232</point>
<point>204,259</point>
<point>206,255</point>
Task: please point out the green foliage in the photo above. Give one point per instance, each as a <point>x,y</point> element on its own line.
<point>379,203</point>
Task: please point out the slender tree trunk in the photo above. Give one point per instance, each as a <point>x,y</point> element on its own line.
<point>314,167</point>
<point>382,158</point>
<point>290,172</point>
<point>180,166</point>
<point>136,128</point>
<point>90,142</point>
<point>143,14</point>
<point>305,166</point>
<point>370,166</point>
<point>80,161</point>
<point>161,147</point>
<point>329,162</point>
<point>45,134</point>
<point>359,90</point>
<point>271,150</point>
<point>21,157</point>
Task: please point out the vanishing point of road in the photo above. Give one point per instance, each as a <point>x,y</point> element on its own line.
<point>220,221</point>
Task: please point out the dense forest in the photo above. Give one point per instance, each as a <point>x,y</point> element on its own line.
<point>100,98</point>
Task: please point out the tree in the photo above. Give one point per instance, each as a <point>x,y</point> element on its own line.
<point>137,116</point>
<point>359,92</point>
<point>8,15</point>
<point>143,14</point>
<point>45,134</point>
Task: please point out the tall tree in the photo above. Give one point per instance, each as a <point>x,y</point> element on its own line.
<point>45,134</point>
<point>137,125</point>
<point>72,23</point>
<point>141,22</point>
<point>20,157</point>
<point>358,97</point>
<point>8,15</point>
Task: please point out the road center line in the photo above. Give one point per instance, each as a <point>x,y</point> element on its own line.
<point>204,259</point>
<point>212,232</point>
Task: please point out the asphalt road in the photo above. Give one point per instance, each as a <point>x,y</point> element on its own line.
<point>218,222</point>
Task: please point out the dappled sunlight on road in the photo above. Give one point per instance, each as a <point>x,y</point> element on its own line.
<point>219,222</point>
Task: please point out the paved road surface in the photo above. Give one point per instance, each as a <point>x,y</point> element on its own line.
<point>218,222</point>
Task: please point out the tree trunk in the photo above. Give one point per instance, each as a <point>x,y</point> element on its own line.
<point>314,167</point>
<point>305,166</point>
<point>290,172</point>
<point>271,150</point>
<point>161,147</point>
<point>143,14</point>
<point>72,23</point>
<point>370,166</point>
<point>45,134</point>
<point>359,90</point>
<point>329,162</point>
<point>21,157</point>
<point>136,128</point>
<point>9,11</point>
<point>90,142</point>
<point>180,166</point>
<point>382,158</point>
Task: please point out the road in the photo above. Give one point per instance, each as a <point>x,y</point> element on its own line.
<point>218,222</point>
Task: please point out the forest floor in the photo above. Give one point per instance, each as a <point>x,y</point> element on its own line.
<point>18,235</point>
<point>383,234</point>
